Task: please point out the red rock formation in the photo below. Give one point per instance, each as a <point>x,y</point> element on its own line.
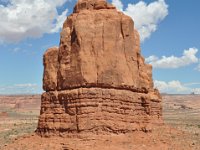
<point>50,62</point>
<point>97,80</point>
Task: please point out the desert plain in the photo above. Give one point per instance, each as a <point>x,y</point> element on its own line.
<point>181,130</point>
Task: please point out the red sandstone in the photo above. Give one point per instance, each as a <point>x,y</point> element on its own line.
<point>97,80</point>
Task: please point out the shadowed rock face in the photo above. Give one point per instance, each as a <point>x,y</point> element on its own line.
<point>97,80</point>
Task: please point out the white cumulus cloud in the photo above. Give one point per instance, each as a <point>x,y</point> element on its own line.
<point>21,19</point>
<point>175,87</point>
<point>170,87</point>
<point>189,57</point>
<point>146,16</point>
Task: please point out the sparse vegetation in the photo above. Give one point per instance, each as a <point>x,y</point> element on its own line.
<point>23,122</point>
<point>16,124</point>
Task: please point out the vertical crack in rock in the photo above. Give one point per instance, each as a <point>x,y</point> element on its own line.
<point>97,81</point>
<point>77,123</point>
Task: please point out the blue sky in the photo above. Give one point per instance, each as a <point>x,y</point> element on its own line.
<point>169,30</point>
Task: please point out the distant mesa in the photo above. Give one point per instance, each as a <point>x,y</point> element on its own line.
<point>96,81</point>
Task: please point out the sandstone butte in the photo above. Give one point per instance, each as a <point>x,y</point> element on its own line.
<point>96,81</point>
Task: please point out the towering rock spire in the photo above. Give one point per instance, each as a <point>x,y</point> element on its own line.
<point>97,80</point>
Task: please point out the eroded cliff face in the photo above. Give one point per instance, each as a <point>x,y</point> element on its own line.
<point>97,80</point>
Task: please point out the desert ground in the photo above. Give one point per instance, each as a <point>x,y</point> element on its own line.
<point>18,116</point>
<point>181,114</point>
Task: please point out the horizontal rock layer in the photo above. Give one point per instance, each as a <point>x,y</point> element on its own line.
<point>97,110</point>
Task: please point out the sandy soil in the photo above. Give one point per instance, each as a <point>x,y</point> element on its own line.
<point>181,131</point>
